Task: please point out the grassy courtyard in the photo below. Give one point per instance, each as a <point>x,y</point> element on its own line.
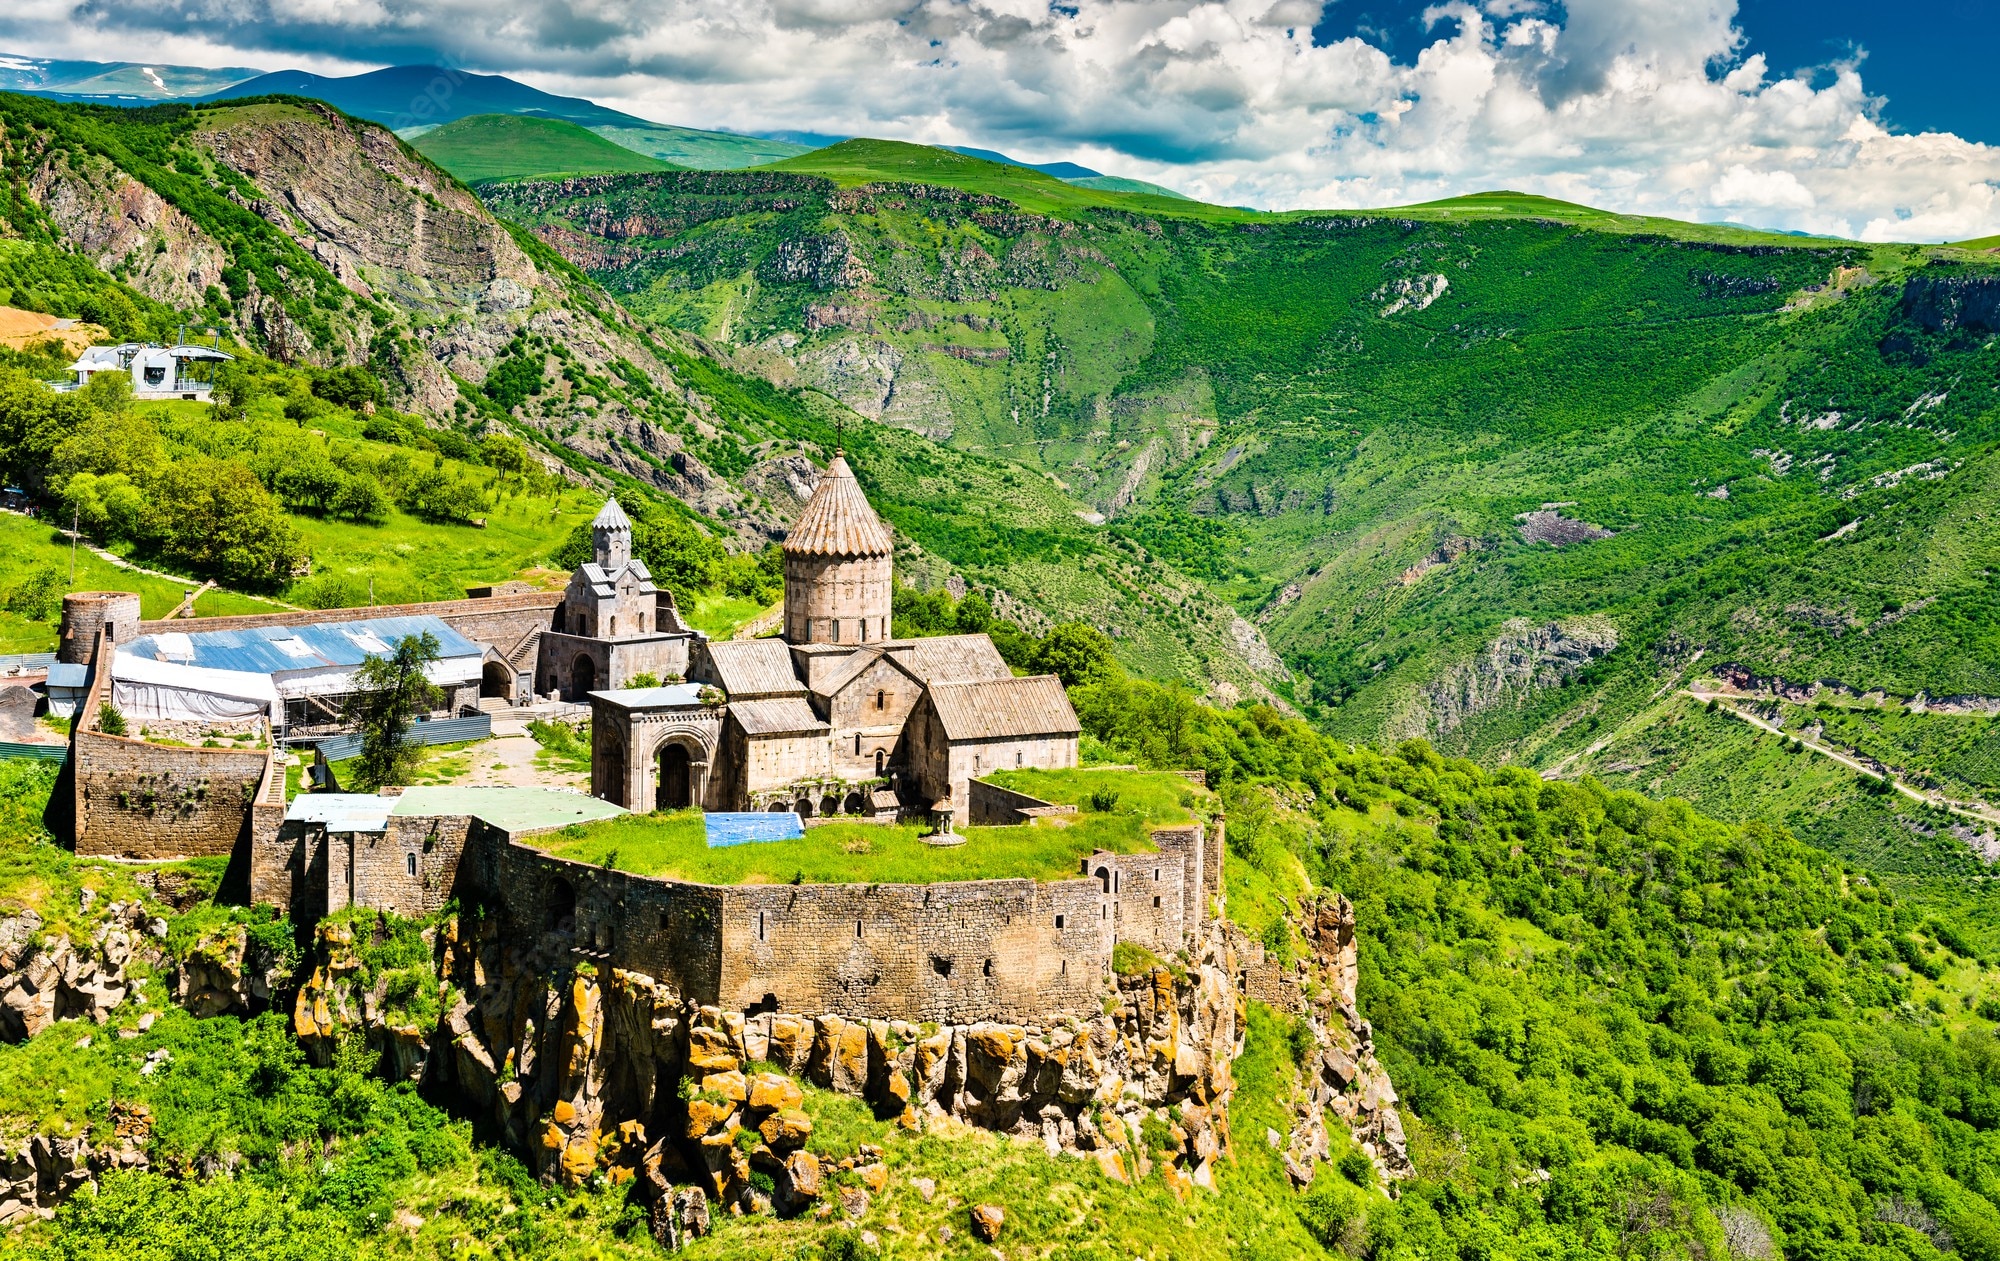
<point>1161,798</point>
<point>675,846</point>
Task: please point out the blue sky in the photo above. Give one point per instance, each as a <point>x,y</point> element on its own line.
<point>1867,120</point>
<point>1934,60</point>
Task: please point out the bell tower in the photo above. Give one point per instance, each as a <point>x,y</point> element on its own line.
<point>611,536</point>
<point>838,565</point>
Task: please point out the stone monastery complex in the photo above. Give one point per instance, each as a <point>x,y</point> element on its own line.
<point>833,718</point>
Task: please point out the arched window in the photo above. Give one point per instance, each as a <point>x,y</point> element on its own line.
<point>833,629</point>
<point>881,698</point>
<point>881,760</point>
<point>614,623</point>
<point>410,863</point>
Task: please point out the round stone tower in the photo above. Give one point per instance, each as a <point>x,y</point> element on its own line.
<point>84,613</point>
<point>837,566</point>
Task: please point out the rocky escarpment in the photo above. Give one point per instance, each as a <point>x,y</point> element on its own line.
<point>1941,303</point>
<point>1523,659</point>
<point>1338,1075</point>
<point>589,1072</point>
<point>45,978</point>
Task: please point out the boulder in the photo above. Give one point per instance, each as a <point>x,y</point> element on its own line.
<point>786,1129</point>
<point>987,1219</point>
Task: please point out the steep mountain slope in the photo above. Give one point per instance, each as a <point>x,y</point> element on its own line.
<point>507,146</point>
<point>1498,471</point>
<point>323,239</point>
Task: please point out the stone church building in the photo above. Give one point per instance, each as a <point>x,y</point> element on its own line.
<point>835,717</point>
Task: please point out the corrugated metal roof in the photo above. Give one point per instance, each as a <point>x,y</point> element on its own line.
<point>751,668</point>
<point>777,716</point>
<point>342,812</point>
<point>956,658</point>
<point>283,650</point>
<point>1004,708</point>
<point>670,696</point>
<point>68,674</point>
<point>838,520</point>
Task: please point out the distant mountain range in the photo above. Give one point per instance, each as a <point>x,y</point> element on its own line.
<point>411,100</point>
<point>114,82</point>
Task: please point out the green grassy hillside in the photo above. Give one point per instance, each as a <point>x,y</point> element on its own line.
<point>855,162</point>
<point>505,146</point>
<point>1364,430</point>
<point>700,150</point>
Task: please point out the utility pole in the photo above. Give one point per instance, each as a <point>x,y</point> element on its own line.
<point>75,532</point>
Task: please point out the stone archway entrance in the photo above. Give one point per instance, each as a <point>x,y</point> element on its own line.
<point>582,678</point>
<point>496,679</point>
<point>676,780</point>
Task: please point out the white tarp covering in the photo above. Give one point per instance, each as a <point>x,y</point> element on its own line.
<point>147,689</point>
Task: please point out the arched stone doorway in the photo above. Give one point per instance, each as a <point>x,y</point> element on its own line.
<point>676,781</point>
<point>582,678</point>
<point>496,679</point>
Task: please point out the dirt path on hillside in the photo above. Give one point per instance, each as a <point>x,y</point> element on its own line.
<point>1975,811</point>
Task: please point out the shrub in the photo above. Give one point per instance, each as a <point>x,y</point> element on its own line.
<point>109,720</point>
<point>1129,958</point>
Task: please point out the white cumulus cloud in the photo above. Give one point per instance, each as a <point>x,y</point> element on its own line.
<point>1651,106</point>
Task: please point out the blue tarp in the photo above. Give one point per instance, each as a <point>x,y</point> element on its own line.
<point>748,829</point>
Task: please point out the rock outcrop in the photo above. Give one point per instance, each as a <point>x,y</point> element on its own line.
<point>615,1073</point>
<point>45,977</point>
<point>1339,1076</point>
<point>1523,659</point>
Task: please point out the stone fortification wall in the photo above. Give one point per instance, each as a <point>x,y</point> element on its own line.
<point>1145,899</point>
<point>989,805</point>
<point>963,951</point>
<point>663,928</point>
<point>86,613</point>
<point>975,950</point>
<point>134,799</point>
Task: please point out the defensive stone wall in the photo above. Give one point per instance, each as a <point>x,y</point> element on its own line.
<point>135,799</point>
<point>1021,950</point>
<point>989,805</point>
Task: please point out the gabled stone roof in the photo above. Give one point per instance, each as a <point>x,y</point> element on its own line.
<point>777,716</point>
<point>838,520</point>
<point>1000,709</point>
<point>754,667</point>
<point>955,658</point>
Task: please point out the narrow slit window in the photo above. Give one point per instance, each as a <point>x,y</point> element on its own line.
<point>1156,901</point>
<point>410,863</point>
<point>760,924</point>
<point>857,930</point>
<point>1059,923</point>
<point>881,698</point>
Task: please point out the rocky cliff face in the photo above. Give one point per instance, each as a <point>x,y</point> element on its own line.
<point>593,1072</point>
<point>1339,1076</point>
<point>1523,659</point>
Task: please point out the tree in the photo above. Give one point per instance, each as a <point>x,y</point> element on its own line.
<point>38,596</point>
<point>235,389</point>
<point>504,453</point>
<point>120,441</point>
<point>1077,652</point>
<point>389,691</point>
<point>360,499</point>
<point>215,517</point>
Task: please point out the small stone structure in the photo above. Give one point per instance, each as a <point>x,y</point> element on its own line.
<point>835,718</point>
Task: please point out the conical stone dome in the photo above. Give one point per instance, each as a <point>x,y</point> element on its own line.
<point>838,520</point>
<point>838,559</point>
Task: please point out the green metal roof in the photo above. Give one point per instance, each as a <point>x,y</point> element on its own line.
<point>515,809</point>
